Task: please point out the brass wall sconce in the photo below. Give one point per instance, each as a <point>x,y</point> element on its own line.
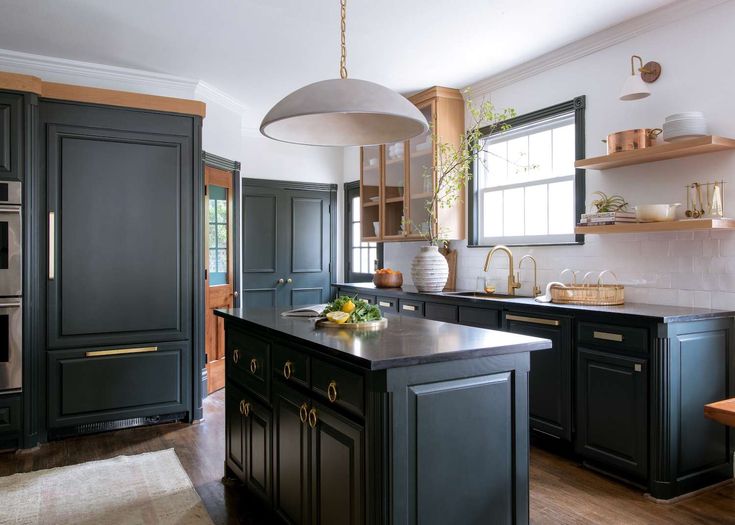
<point>636,85</point>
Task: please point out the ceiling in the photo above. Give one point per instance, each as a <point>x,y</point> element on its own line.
<point>260,50</point>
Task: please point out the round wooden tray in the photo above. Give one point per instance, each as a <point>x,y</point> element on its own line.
<point>367,325</point>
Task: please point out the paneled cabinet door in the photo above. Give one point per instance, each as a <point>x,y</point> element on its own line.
<point>337,485</point>
<point>550,381</point>
<point>291,455</point>
<point>235,424</point>
<point>258,465</point>
<point>11,136</point>
<point>612,410</point>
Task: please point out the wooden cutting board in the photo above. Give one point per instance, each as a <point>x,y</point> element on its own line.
<point>451,257</point>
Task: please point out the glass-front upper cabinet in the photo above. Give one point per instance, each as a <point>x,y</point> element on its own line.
<point>371,191</point>
<point>421,175</point>
<point>394,183</point>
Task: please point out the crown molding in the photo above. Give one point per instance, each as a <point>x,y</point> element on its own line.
<point>586,46</point>
<point>213,94</point>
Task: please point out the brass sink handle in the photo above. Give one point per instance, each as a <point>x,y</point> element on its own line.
<point>287,369</point>
<point>236,355</point>
<point>304,412</point>
<point>253,365</point>
<point>313,418</point>
<point>332,391</point>
<point>244,408</point>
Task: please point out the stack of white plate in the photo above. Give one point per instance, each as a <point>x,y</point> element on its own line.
<point>681,126</point>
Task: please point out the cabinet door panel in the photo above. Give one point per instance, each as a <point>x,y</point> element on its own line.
<point>122,252</point>
<point>258,473</point>
<point>612,410</point>
<point>234,430</point>
<point>290,457</point>
<point>11,136</point>
<point>336,465</point>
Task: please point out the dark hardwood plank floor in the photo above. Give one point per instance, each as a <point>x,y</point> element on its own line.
<point>562,492</point>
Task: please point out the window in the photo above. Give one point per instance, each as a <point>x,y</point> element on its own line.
<point>526,188</point>
<point>361,258</point>
<point>218,232</point>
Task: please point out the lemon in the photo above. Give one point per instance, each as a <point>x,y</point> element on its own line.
<point>348,307</point>
<point>338,317</point>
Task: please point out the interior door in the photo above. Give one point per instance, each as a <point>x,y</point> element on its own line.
<point>220,292</point>
<point>286,244</point>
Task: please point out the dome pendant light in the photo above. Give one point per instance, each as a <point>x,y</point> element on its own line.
<point>343,111</point>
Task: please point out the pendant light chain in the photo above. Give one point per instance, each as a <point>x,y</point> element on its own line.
<point>343,27</point>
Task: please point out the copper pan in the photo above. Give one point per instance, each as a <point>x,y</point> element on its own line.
<point>631,139</point>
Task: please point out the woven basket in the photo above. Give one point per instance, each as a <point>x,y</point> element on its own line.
<point>590,294</point>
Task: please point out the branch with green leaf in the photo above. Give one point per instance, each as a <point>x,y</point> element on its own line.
<point>453,164</point>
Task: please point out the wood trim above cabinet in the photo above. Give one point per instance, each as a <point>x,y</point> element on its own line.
<point>436,92</point>
<point>107,97</point>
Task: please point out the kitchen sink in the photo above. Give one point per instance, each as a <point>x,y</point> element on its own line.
<point>483,295</point>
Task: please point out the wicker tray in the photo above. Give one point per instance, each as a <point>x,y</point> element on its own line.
<point>589,294</point>
<point>367,325</point>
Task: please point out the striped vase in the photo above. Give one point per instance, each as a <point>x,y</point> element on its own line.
<point>429,270</point>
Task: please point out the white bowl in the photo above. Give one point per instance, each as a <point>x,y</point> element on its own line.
<point>376,227</point>
<point>656,212</point>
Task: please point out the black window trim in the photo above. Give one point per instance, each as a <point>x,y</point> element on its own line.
<point>577,105</point>
<point>349,276</point>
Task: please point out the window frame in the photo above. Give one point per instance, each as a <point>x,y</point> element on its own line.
<point>352,190</point>
<point>577,107</point>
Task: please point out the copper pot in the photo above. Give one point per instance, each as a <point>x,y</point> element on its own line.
<point>631,139</point>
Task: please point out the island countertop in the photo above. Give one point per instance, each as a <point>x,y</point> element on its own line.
<point>406,341</point>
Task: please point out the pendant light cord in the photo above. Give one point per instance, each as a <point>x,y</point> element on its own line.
<point>343,27</point>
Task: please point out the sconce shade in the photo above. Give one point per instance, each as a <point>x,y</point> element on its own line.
<point>634,88</point>
<point>343,112</point>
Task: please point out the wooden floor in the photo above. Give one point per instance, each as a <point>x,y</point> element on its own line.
<point>562,492</point>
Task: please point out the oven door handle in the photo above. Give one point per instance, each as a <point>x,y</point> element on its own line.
<point>10,209</point>
<point>10,305</point>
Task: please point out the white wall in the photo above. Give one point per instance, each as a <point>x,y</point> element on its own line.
<point>675,268</point>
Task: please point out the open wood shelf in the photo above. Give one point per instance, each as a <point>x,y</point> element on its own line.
<point>388,200</point>
<point>426,195</point>
<point>371,203</point>
<point>668,150</point>
<point>672,226</point>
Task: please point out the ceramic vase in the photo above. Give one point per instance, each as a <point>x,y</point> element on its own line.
<point>429,270</point>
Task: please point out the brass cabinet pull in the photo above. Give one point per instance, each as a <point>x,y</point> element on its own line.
<point>332,391</point>
<point>607,336</point>
<point>289,280</point>
<point>385,303</point>
<point>253,365</point>
<point>532,320</point>
<point>304,412</point>
<point>313,418</point>
<point>244,408</point>
<point>287,369</point>
<point>281,281</point>
<point>236,355</point>
<point>121,351</point>
<point>409,307</point>
<point>51,245</point>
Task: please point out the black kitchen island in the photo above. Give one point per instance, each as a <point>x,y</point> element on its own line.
<point>422,422</point>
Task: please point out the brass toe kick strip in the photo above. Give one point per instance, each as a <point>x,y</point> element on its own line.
<point>121,351</point>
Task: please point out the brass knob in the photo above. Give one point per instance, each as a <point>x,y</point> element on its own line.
<point>253,365</point>
<point>289,280</point>
<point>303,412</point>
<point>287,369</point>
<point>313,418</point>
<point>332,391</point>
<point>236,355</point>
<point>244,408</point>
<point>281,281</point>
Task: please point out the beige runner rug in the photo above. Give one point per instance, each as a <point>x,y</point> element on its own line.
<point>147,489</point>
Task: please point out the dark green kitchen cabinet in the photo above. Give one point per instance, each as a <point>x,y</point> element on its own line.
<point>550,381</point>
<point>11,136</point>
<point>612,409</point>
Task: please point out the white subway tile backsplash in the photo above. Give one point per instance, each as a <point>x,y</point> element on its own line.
<point>675,268</point>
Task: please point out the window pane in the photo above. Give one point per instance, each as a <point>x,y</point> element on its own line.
<point>222,236</point>
<point>212,260</point>
<point>212,236</point>
<point>355,234</point>
<point>536,209</point>
<point>364,264</point>
<point>513,211</point>
<point>539,156</point>
<point>221,260</point>
<point>356,260</point>
<point>564,150</point>
<point>356,209</point>
<point>492,213</point>
<point>222,212</point>
<point>212,211</point>
<point>495,165</point>
<point>561,207</point>
<point>373,255</point>
<point>517,159</point>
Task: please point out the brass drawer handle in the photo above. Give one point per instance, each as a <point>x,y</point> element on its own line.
<point>385,303</point>
<point>303,412</point>
<point>121,351</point>
<point>409,307</point>
<point>236,355</point>
<point>607,336</point>
<point>253,365</point>
<point>244,408</point>
<point>332,391</point>
<point>532,320</point>
<point>313,418</point>
<point>287,369</point>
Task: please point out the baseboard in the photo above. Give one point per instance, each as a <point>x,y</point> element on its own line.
<point>688,494</point>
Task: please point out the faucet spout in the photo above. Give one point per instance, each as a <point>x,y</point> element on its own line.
<point>536,288</point>
<point>513,284</point>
